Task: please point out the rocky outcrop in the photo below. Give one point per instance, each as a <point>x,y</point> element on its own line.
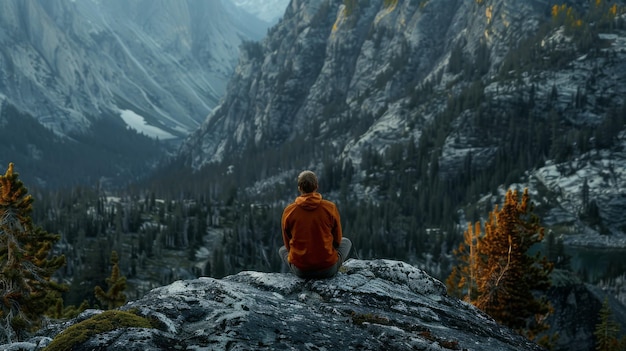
<point>369,305</point>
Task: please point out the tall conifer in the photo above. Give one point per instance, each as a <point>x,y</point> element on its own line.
<point>508,275</point>
<point>607,331</point>
<point>504,274</point>
<point>114,297</point>
<point>27,291</point>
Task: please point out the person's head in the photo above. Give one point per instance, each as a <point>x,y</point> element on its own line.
<point>307,182</point>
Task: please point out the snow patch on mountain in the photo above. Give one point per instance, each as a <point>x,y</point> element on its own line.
<point>605,175</point>
<point>138,123</point>
<point>66,63</point>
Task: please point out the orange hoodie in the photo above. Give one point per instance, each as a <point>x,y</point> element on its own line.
<point>311,232</point>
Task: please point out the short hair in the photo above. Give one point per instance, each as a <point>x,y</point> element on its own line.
<point>307,182</point>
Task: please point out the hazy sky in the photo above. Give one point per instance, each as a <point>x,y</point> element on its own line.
<point>267,10</point>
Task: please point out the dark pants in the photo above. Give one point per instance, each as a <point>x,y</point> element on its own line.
<point>343,250</point>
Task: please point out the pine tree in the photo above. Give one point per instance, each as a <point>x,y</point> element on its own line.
<point>462,280</point>
<point>584,193</point>
<point>114,297</point>
<point>504,274</point>
<point>26,288</point>
<point>508,276</point>
<point>607,330</point>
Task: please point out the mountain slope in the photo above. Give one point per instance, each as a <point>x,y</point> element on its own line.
<point>426,106</point>
<point>338,66</point>
<point>69,64</point>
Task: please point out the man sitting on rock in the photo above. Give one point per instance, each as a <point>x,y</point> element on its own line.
<point>314,247</point>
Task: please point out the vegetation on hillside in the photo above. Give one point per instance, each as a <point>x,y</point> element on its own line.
<point>50,161</point>
<point>497,272</point>
<point>114,297</point>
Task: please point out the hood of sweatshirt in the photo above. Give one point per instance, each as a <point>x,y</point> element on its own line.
<point>309,201</point>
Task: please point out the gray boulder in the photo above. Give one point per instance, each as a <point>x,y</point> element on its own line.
<point>369,305</point>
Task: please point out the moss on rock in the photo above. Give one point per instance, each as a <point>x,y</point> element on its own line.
<point>101,323</point>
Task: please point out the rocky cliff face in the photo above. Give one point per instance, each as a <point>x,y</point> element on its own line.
<point>65,61</point>
<point>87,70</point>
<point>370,305</point>
<point>337,80</point>
<point>330,66</point>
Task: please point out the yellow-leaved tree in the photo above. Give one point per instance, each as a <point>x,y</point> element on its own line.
<point>496,271</point>
<point>462,281</point>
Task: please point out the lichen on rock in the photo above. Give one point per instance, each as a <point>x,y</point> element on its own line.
<point>368,305</point>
